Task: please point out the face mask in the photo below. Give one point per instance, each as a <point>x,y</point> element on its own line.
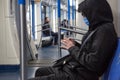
<point>86,21</point>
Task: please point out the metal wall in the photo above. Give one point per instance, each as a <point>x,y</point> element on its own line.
<point>9,43</point>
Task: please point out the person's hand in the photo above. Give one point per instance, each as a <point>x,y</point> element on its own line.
<point>67,43</point>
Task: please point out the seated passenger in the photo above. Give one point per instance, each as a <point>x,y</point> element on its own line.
<point>48,32</point>
<point>64,23</point>
<point>89,60</point>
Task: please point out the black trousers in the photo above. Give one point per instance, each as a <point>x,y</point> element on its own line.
<point>50,73</point>
<point>55,35</point>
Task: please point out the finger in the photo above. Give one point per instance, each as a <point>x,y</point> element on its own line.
<point>66,39</point>
<point>64,42</point>
<point>63,47</point>
<point>71,39</point>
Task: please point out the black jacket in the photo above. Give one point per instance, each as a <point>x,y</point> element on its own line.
<point>46,29</point>
<point>94,58</point>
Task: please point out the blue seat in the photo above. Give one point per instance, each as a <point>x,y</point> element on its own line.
<point>113,72</point>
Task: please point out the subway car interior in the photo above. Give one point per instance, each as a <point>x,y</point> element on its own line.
<point>24,45</point>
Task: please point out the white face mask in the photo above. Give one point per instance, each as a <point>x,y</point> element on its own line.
<point>86,21</point>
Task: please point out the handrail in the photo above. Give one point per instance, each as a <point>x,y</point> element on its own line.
<point>42,24</point>
<point>68,26</point>
<point>39,24</point>
<point>44,30</point>
<point>77,28</point>
<point>71,30</point>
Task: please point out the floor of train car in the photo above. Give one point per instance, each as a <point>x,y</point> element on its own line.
<point>46,57</point>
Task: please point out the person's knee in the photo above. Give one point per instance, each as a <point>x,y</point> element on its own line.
<point>37,73</point>
<point>43,72</point>
<point>40,72</point>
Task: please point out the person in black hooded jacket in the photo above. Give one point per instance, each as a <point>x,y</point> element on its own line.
<point>92,61</point>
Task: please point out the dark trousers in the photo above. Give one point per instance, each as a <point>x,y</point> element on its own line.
<point>55,35</point>
<point>50,73</point>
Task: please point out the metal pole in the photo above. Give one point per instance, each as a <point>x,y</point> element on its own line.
<point>69,11</point>
<point>23,40</point>
<point>75,27</point>
<point>59,31</point>
<point>71,30</point>
<point>33,19</point>
<point>73,12</point>
<point>30,19</point>
<point>69,14</point>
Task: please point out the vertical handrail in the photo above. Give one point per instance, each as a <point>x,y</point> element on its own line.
<point>30,19</point>
<point>69,11</point>
<point>23,40</point>
<point>50,18</point>
<point>33,19</point>
<point>69,15</point>
<point>59,31</point>
<point>40,42</point>
<point>73,14</point>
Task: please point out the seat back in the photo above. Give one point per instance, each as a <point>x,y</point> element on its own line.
<point>113,72</point>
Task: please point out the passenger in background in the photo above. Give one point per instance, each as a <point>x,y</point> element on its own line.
<point>64,23</point>
<point>89,60</point>
<point>48,32</point>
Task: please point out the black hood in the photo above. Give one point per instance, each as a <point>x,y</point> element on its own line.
<point>97,12</point>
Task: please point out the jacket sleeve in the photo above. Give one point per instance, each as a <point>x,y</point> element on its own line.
<point>99,52</point>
